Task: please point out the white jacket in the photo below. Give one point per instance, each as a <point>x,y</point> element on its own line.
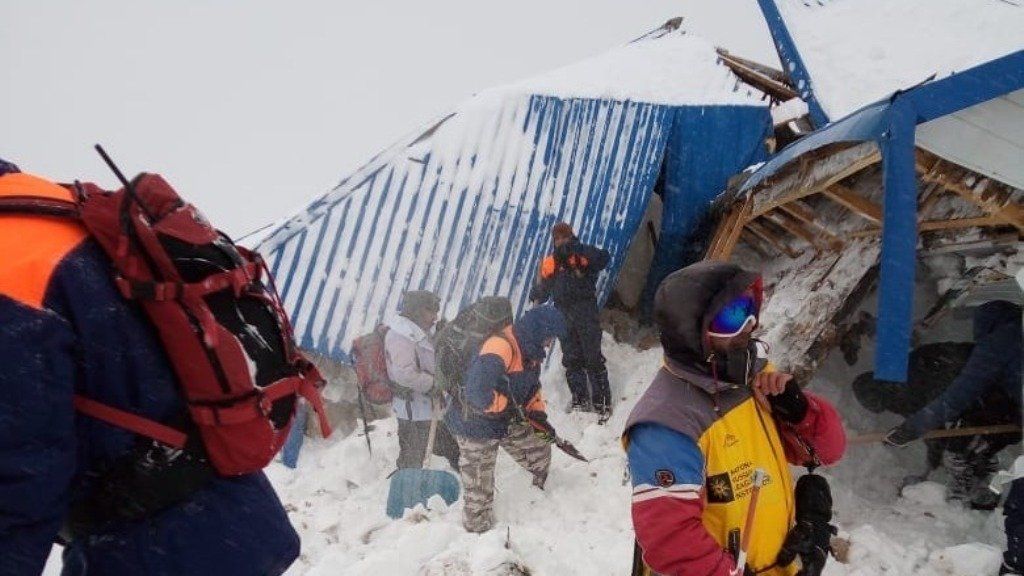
<point>410,359</point>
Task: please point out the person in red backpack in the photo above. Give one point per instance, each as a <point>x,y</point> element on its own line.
<point>409,351</point>
<point>120,503</point>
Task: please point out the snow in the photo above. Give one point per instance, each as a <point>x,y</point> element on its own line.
<point>677,68</point>
<point>581,523</point>
<point>860,51</point>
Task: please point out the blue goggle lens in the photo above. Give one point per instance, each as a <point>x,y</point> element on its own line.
<point>731,318</point>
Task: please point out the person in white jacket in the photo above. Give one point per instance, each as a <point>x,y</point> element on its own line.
<point>409,349</point>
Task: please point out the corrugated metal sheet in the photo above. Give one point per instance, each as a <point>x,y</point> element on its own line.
<point>464,210</point>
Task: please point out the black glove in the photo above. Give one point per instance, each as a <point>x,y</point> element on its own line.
<point>541,427</point>
<point>811,538</point>
<point>791,405</point>
<point>900,436</point>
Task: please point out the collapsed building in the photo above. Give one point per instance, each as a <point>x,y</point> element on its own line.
<point>860,160</point>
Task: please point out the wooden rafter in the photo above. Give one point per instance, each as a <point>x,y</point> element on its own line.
<point>729,231</point>
<point>804,213</point>
<point>993,198</point>
<point>940,225</point>
<point>815,177</point>
<point>855,203</point>
<point>758,76</point>
<point>772,239</point>
<point>796,228</point>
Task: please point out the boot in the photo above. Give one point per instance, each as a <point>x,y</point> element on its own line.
<point>601,394</point>
<point>983,466</point>
<point>962,481</point>
<point>577,380</point>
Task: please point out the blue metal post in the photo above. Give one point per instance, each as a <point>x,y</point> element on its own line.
<point>899,244</point>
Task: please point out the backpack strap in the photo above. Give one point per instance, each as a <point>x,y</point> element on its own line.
<point>131,422</point>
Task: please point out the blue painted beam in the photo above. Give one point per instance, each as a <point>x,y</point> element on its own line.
<point>899,244</point>
<point>792,62</point>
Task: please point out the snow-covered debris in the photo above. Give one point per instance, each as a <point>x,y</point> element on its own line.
<point>580,524</point>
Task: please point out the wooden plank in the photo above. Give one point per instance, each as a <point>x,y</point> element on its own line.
<point>939,225</point>
<point>804,213</point>
<point>770,86</point>
<point>796,228</point>
<point>773,240</point>
<point>815,176</point>
<point>728,233</point>
<point>993,198</point>
<point>757,245</point>
<point>855,203</point>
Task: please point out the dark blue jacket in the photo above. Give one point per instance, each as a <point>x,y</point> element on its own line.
<point>569,274</point>
<point>64,329</point>
<point>504,379</point>
<point>994,363</point>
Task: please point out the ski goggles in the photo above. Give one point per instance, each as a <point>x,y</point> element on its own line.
<point>734,317</point>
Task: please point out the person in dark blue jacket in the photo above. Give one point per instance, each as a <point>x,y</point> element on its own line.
<point>568,276</point>
<point>66,331</point>
<point>994,365</point>
<point>503,406</point>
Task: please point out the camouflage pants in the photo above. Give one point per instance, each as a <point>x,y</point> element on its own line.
<point>477,458</point>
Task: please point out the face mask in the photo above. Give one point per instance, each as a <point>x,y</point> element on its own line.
<point>736,365</point>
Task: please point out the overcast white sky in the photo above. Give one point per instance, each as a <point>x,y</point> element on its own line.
<point>252,108</point>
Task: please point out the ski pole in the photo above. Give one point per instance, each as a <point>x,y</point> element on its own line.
<point>942,433</point>
<point>366,426</point>
<point>748,526</point>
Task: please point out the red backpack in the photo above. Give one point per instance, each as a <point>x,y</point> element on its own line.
<point>216,311</point>
<point>371,366</point>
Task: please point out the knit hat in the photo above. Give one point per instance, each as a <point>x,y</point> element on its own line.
<point>561,230</point>
<point>417,300</point>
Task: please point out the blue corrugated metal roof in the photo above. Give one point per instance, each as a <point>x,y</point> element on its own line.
<point>466,211</point>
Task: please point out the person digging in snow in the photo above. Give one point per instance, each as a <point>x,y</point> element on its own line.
<point>714,414</point>
<point>410,362</point>
<point>568,276</point>
<point>503,406</point>
<point>992,368</point>
<point>932,368</point>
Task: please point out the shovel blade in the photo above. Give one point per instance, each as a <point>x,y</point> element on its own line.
<point>412,486</point>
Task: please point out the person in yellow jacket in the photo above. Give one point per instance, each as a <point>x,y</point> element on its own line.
<point>714,414</point>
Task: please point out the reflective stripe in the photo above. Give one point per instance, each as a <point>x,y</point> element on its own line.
<point>644,492</point>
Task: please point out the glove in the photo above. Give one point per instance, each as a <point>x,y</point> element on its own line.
<point>811,538</point>
<point>791,405</point>
<point>541,427</point>
<point>900,436</point>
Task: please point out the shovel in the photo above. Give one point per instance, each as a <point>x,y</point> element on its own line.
<point>412,486</point>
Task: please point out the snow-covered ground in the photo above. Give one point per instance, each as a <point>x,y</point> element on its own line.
<point>580,523</point>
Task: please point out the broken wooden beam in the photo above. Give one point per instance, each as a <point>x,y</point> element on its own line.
<point>940,225</point>
<point>772,239</point>
<point>816,176</point>
<point>758,78</point>
<point>855,203</point>
<point>729,230</point>
<point>796,228</point>
<point>995,200</point>
<point>804,213</point>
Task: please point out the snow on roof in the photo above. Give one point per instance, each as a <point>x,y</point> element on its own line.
<point>860,51</point>
<point>674,68</point>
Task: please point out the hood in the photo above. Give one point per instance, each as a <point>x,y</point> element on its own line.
<point>535,326</point>
<point>688,299</point>
<point>992,315</point>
